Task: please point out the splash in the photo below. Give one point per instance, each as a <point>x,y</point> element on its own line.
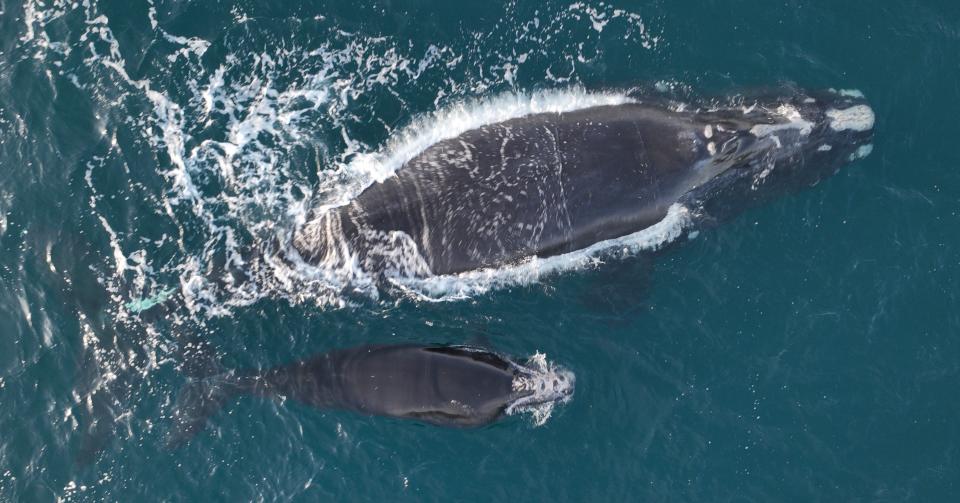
<point>261,133</point>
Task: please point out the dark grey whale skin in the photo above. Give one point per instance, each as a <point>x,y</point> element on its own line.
<point>551,183</point>
<point>440,385</point>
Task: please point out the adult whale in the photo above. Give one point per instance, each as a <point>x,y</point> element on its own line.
<point>459,386</point>
<point>550,183</point>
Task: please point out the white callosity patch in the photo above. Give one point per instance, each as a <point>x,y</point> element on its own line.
<point>850,93</point>
<point>544,384</point>
<point>855,118</point>
<point>824,148</point>
<point>861,152</point>
<point>792,120</point>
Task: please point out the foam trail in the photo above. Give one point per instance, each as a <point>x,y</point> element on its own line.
<point>228,135</point>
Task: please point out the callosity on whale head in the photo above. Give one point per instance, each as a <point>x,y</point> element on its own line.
<point>538,385</point>
<point>769,145</point>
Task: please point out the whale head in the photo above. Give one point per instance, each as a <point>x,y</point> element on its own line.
<point>538,385</point>
<point>769,145</point>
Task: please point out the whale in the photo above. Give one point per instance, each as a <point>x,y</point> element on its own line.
<point>448,386</point>
<point>551,183</point>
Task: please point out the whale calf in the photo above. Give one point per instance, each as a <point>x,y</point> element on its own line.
<point>455,386</point>
<point>546,184</point>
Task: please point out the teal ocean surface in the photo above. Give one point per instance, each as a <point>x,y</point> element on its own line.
<point>155,154</point>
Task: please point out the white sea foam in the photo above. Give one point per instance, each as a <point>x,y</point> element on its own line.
<point>224,137</point>
<point>471,283</point>
<point>601,15</point>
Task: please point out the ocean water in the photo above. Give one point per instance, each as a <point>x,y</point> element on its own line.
<point>155,154</point>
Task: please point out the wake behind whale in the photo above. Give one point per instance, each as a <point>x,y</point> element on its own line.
<point>505,199</point>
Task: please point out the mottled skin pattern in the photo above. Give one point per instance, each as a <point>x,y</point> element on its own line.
<point>551,183</point>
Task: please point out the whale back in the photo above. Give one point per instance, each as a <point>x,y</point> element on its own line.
<point>543,184</point>
<point>448,386</point>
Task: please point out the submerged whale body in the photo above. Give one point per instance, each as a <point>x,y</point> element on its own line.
<point>456,386</point>
<point>547,184</point>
